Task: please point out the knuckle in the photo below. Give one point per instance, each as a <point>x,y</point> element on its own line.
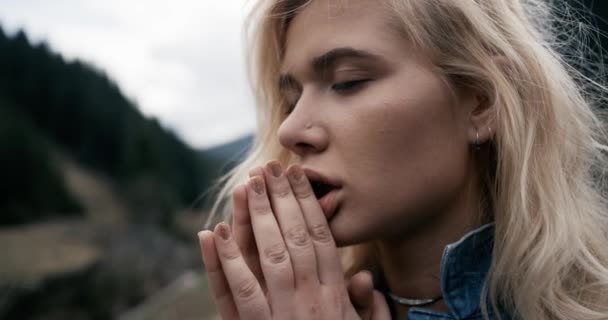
<point>321,233</point>
<point>315,310</point>
<point>307,194</point>
<point>246,289</point>
<point>334,299</point>
<point>304,278</point>
<point>260,209</point>
<point>337,298</point>
<point>298,236</point>
<point>276,254</point>
<point>304,192</point>
<point>282,191</point>
<point>229,254</point>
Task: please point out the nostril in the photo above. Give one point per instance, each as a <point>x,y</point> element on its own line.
<point>302,147</point>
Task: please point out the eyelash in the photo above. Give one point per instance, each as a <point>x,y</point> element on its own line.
<point>340,87</point>
<point>347,86</point>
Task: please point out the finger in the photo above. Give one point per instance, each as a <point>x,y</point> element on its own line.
<point>246,291</point>
<point>274,257</point>
<point>243,233</point>
<point>360,291</point>
<point>216,278</point>
<point>257,171</point>
<point>293,227</point>
<point>380,310</point>
<point>328,259</point>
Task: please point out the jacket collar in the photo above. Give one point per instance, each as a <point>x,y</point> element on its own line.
<point>464,268</point>
<point>463,271</point>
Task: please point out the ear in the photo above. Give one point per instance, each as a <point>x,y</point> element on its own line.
<point>482,119</point>
<point>482,110</point>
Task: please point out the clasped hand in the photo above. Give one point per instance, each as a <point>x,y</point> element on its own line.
<point>280,260</point>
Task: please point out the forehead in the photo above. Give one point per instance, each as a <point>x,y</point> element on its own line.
<point>323,25</point>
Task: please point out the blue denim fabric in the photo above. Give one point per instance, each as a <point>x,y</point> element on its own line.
<point>464,267</point>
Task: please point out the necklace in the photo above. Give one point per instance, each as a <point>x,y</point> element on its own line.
<point>412,302</point>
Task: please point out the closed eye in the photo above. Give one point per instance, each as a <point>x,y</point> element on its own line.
<point>347,86</point>
<point>344,87</point>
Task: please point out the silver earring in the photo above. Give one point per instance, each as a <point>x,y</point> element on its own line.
<point>476,143</point>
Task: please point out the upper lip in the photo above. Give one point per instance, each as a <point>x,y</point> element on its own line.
<point>315,176</point>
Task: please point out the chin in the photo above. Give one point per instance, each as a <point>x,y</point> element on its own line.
<point>345,236</point>
<point>337,234</point>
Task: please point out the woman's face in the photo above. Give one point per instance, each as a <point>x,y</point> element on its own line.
<point>383,121</point>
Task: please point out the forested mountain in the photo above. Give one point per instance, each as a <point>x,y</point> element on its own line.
<point>47,101</point>
<point>224,157</point>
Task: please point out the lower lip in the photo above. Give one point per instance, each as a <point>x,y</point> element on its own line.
<point>329,203</point>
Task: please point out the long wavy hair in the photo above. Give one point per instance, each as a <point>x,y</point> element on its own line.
<point>545,167</point>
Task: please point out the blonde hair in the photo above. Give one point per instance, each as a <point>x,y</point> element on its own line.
<point>546,193</point>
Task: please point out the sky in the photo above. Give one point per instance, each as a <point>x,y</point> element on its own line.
<point>181,61</point>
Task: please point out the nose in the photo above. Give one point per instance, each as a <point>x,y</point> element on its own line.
<point>303,131</point>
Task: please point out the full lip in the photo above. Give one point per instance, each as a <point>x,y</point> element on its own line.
<point>329,202</point>
<point>313,175</point>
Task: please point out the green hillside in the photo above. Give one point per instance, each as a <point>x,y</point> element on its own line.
<point>49,103</point>
<point>95,205</point>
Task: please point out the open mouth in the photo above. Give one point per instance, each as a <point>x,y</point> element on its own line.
<point>326,191</point>
<point>321,188</point>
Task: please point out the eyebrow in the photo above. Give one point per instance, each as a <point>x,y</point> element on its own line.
<point>327,60</point>
<point>330,58</point>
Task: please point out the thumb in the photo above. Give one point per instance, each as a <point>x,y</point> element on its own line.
<point>361,294</point>
<point>380,310</point>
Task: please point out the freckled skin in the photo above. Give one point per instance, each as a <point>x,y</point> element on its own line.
<point>400,143</point>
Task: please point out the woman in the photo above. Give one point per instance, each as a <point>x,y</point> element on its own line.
<point>450,150</point>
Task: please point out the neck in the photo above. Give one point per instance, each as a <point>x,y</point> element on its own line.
<point>411,264</point>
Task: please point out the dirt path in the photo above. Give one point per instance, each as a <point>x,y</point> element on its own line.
<point>95,193</point>
<point>187,298</point>
<point>34,252</point>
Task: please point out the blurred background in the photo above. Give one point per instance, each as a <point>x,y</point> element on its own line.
<point>115,118</point>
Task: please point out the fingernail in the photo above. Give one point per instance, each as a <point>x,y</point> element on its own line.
<point>257,184</point>
<point>275,169</point>
<point>223,230</point>
<point>295,173</point>
<point>257,171</point>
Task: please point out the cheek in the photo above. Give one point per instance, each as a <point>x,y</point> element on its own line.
<point>409,116</point>
<point>410,146</point>
<point>408,158</point>
<point>405,133</point>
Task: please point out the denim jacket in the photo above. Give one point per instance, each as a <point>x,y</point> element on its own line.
<point>463,271</point>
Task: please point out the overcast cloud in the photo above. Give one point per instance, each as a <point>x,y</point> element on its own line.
<point>180,61</point>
